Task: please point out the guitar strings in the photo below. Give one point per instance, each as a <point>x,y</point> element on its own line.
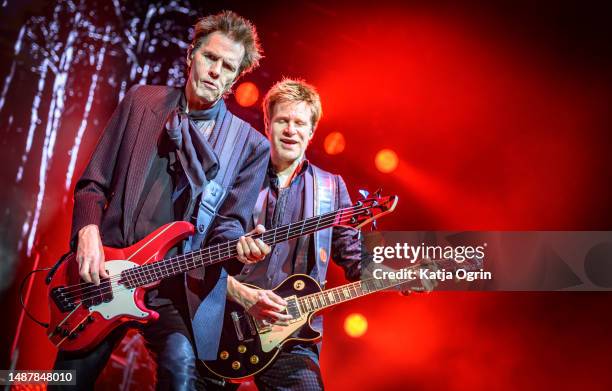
<point>156,267</point>
<point>104,290</point>
<point>211,251</point>
<point>100,291</point>
<point>218,250</point>
<point>353,285</point>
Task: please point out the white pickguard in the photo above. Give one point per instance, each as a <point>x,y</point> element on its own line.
<point>123,299</point>
<point>277,334</point>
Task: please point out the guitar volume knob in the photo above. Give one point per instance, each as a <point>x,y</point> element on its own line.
<point>224,355</point>
<point>254,359</point>
<point>242,349</point>
<point>236,365</point>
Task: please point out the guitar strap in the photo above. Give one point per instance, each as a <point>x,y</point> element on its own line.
<point>259,212</point>
<point>214,193</point>
<point>207,314</point>
<point>324,196</point>
<point>320,190</point>
<point>319,197</point>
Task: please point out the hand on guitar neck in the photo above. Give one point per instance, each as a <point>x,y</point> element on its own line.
<point>252,250</point>
<point>82,314</point>
<point>259,303</point>
<point>90,253</point>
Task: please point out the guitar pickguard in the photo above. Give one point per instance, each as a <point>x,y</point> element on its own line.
<point>123,302</point>
<point>273,337</point>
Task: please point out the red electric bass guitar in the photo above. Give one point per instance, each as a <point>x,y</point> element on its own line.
<point>83,314</point>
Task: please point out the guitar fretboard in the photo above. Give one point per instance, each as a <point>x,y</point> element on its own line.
<point>327,298</point>
<point>147,274</point>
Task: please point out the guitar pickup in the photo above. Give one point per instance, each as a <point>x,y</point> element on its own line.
<point>292,308</point>
<point>94,295</point>
<point>237,326</point>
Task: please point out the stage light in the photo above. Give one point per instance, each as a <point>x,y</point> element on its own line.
<point>247,94</point>
<point>386,161</point>
<point>355,325</point>
<point>334,143</point>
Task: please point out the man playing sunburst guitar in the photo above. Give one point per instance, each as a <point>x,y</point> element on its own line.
<point>293,189</point>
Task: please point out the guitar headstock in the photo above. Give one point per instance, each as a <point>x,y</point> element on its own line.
<point>367,210</point>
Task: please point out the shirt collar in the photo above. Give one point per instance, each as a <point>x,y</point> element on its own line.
<point>274,179</point>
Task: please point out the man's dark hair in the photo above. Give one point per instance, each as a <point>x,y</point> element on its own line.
<point>235,27</point>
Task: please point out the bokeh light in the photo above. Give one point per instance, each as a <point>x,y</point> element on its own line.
<point>386,161</point>
<point>247,94</point>
<point>355,325</point>
<point>334,143</point>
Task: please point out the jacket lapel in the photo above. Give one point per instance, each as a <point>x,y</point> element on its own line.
<point>149,132</point>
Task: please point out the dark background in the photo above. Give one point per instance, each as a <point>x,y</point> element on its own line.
<point>499,114</point>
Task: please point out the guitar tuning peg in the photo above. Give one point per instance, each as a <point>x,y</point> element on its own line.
<point>364,193</point>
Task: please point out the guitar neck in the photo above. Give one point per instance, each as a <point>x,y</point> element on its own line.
<point>147,274</point>
<point>330,297</point>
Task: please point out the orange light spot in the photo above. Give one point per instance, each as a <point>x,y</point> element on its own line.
<point>355,325</point>
<point>386,161</point>
<point>247,94</point>
<point>334,143</point>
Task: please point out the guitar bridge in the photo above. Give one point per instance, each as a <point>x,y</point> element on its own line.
<point>62,299</point>
<point>66,298</point>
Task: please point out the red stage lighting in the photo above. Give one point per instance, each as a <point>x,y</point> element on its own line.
<point>247,94</point>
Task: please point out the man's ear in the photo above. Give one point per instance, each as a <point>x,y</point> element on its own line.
<point>190,55</point>
<point>311,135</point>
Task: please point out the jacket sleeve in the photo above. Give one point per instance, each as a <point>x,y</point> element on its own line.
<point>92,191</point>
<point>237,209</point>
<point>346,246</point>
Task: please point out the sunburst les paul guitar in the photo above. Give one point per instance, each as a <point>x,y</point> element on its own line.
<point>248,345</point>
<point>83,314</point>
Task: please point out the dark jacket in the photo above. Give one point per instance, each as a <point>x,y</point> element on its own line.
<point>111,185</point>
<point>108,192</point>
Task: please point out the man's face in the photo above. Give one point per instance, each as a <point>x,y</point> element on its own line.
<point>213,68</point>
<point>289,131</point>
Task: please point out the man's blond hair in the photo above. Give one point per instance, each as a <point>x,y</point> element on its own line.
<point>292,90</point>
